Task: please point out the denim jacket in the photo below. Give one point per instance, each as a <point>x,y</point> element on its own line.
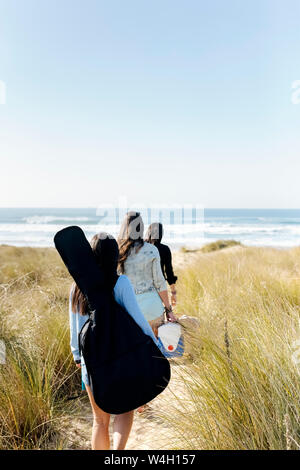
<point>144,270</point>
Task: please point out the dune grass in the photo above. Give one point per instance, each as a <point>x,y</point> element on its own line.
<point>213,246</point>
<point>242,388</point>
<point>219,245</point>
<point>39,372</point>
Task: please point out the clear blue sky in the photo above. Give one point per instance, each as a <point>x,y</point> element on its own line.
<point>163,101</point>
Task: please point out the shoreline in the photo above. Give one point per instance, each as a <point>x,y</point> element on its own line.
<point>36,227</point>
<point>174,249</point>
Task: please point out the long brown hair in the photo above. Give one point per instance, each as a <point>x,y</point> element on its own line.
<point>106,251</point>
<point>131,234</point>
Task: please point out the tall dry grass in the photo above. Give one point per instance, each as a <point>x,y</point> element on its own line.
<point>242,388</point>
<point>39,374</point>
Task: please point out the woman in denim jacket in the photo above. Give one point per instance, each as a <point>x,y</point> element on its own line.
<point>140,261</point>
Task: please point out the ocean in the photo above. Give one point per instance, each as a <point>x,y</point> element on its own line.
<point>189,228</point>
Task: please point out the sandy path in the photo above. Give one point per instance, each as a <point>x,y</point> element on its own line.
<point>150,429</point>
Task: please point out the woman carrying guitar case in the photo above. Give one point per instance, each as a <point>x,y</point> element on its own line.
<point>125,367</point>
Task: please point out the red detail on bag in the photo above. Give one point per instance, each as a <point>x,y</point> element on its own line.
<point>170,348</point>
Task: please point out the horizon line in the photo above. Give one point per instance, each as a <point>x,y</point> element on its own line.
<point>154,206</point>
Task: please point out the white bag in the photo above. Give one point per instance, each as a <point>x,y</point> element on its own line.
<point>170,338</point>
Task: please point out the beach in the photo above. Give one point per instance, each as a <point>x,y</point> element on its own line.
<point>190,227</point>
<point>176,124</point>
<point>237,387</point>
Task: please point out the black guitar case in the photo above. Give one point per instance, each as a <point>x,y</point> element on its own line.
<point>125,368</point>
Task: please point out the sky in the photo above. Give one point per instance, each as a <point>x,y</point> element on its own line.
<point>161,102</point>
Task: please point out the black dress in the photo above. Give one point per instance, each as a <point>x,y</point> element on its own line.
<point>166,262</point>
